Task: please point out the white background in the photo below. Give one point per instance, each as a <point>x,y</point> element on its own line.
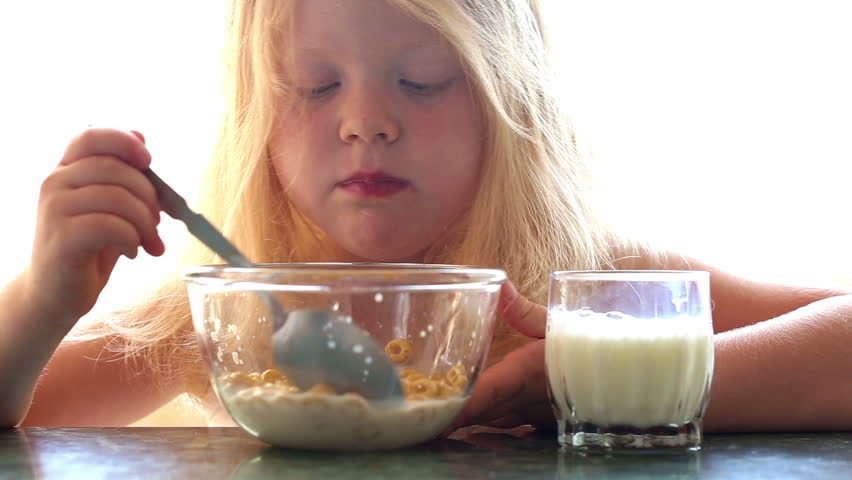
<point>722,129</point>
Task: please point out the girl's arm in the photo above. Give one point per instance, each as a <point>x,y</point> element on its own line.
<point>783,356</point>
<point>737,301</point>
<point>783,359</point>
<point>94,207</point>
<point>83,384</point>
<point>788,373</point>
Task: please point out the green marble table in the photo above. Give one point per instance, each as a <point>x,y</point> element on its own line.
<point>229,453</point>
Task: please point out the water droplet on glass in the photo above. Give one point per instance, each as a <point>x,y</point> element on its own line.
<point>379,297</point>
<point>331,344</point>
<point>358,348</point>
<point>430,327</point>
<point>368,360</point>
<point>335,307</point>
<point>422,333</point>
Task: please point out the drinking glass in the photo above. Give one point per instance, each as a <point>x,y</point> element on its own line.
<point>629,358</point>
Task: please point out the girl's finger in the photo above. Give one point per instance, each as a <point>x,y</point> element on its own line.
<point>113,200</point>
<point>108,142</point>
<point>138,135</point>
<point>104,170</point>
<point>515,381</point>
<point>92,232</point>
<point>523,315</point>
<point>538,414</point>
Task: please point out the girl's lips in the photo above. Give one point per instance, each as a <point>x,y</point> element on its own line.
<point>373,188</point>
<point>375,184</point>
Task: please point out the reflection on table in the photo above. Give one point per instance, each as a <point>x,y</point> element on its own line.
<point>230,453</point>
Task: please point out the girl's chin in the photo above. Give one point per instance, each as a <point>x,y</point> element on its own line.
<point>382,253</point>
<point>384,258</point>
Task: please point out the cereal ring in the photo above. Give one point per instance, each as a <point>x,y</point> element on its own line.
<point>322,389</point>
<point>445,390</point>
<point>273,375</point>
<point>238,378</point>
<point>425,386</point>
<point>399,350</point>
<point>410,373</point>
<point>407,386</point>
<point>457,376</point>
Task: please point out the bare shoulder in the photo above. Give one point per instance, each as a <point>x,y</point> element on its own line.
<point>92,383</point>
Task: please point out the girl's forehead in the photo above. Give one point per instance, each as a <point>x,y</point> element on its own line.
<point>358,25</point>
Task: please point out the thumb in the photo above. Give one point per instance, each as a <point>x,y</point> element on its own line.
<point>523,315</point>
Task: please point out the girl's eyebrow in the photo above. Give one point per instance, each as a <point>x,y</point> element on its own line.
<point>404,48</point>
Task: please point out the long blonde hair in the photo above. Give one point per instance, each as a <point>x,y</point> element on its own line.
<point>533,213</point>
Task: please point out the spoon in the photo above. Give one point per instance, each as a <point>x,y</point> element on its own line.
<point>310,347</point>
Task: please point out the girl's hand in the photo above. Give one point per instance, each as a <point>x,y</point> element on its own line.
<point>95,206</point>
<point>514,391</point>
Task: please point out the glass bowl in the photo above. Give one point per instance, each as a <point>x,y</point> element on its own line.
<point>444,313</point>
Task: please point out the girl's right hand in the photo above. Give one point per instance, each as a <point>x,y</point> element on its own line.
<point>95,206</point>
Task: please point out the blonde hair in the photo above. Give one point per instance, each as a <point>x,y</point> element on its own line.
<point>533,213</point>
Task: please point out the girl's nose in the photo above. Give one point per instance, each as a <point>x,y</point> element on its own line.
<point>367,116</point>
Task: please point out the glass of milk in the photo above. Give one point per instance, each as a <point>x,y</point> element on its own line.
<point>629,358</point>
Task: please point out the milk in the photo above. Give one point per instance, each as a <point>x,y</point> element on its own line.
<point>613,369</point>
<point>336,422</point>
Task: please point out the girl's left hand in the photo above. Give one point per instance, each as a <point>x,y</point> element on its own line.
<point>514,391</point>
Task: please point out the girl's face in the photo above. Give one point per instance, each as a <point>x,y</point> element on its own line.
<point>382,150</point>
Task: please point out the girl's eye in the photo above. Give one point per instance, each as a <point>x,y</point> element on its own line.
<point>322,90</point>
<point>424,89</point>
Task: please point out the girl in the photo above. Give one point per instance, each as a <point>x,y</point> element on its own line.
<point>378,130</point>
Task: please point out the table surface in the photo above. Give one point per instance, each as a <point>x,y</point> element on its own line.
<point>230,453</point>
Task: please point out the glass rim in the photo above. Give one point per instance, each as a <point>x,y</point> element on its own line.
<point>263,276</point>
<point>630,275</point>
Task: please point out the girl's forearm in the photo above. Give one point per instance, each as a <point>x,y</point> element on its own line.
<point>27,342</point>
<point>793,372</point>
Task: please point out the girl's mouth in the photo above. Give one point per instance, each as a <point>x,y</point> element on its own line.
<point>373,184</point>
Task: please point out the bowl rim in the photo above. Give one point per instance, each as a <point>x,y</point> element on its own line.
<point>260,276</point>
<point>630,275</point>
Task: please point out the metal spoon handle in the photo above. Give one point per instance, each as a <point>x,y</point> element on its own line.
<point>175,206</point>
